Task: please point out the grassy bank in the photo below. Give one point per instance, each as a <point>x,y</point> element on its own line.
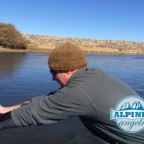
<point>91,51</point>
<point>29,50</point>
<point>42,43</point>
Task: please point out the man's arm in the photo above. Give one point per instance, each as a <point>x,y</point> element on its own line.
<point>4,110</point>
<point>6,120</point>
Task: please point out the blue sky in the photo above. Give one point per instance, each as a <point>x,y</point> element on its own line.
<point>95,19</point>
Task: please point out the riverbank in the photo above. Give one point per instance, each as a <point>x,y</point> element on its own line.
<point>91,51</point>
<point>43,43</point>
<point>29,50</point>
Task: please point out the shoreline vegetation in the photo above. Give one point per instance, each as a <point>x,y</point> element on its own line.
<point>43,43</point>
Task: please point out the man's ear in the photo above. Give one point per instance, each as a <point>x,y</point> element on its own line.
<point>69,72</point>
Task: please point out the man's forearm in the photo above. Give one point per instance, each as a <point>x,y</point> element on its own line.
<point>6,120</point>
<point>4,110</point>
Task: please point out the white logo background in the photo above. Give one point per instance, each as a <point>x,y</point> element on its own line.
<point>129,114</point>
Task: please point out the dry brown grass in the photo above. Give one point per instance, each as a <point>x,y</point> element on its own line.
<point>42,43</point>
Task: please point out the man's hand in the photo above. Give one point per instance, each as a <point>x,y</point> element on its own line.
<point>3,109</point>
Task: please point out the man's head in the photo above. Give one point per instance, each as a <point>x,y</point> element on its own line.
<point>64,60</point>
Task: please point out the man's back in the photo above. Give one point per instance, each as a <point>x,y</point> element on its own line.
<point>104,92</point>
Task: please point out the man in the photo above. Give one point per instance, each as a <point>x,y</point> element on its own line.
<point>85,93</point>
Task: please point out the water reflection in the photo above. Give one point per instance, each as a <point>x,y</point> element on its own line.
<point>10,63</point>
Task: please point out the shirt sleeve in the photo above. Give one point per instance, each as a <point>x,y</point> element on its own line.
<point>66,102</point>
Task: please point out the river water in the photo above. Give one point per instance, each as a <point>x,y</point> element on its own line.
<point>25,75</point>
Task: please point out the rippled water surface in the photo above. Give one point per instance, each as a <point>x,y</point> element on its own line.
<point>23,76</point>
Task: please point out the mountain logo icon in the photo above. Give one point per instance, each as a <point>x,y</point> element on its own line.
<point>134,106</point>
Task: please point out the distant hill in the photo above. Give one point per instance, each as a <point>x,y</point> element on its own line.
<point>43,42</point>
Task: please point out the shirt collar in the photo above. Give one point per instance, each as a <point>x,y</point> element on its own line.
<point>76,73</point>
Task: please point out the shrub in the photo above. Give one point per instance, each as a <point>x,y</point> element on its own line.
<point>11,38</point>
